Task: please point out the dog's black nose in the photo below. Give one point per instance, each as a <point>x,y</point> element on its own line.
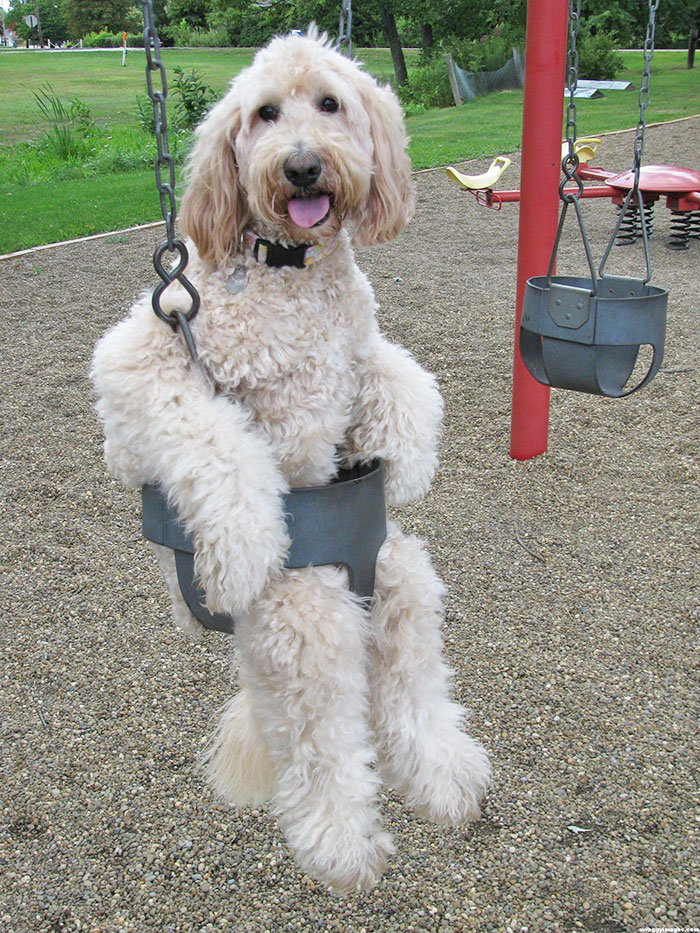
<point>302,169</point>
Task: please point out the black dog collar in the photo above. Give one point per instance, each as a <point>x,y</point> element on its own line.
<point>277,256</point>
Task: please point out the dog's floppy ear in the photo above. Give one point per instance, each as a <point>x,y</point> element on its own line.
<point>214,209</point>
<point>391,198</point>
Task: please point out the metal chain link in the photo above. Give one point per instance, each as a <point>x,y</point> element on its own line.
<point>570,162</point>
<point>166,190</point>
<point>644,87</point>
<point>345,28</point>
<point>633,197</point>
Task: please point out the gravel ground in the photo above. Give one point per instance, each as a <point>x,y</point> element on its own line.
<point>572,600</point>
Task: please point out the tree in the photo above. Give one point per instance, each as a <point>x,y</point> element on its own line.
<point>392,38</point>
<point>626,20</point>
<point>437,20</point>
<point>83,16</point>
<point>193,12</point>
<point>53,22</point>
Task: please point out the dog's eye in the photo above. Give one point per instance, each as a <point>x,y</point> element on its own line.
<point>329,105</point>
<point>268,113</point>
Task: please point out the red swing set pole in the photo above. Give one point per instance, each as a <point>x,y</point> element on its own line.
<point>543,107</point>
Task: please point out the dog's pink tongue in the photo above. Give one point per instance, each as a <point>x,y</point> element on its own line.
<point>306,212</point>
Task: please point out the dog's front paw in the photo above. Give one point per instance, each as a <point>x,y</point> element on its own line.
<point>409,481</point>
<point>236,563</point>
<point>451,784</point>
<point>347,862</point>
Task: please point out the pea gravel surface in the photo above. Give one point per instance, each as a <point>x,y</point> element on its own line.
<point>570,620</point>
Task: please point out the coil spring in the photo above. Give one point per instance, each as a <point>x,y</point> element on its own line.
<point>695,225</point>
<point>680,229</point>
<point>631,226</point>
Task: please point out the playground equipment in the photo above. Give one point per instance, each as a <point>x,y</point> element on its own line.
<point>481,186</point>
<point>678,184</point>
<point>585,334</point>
<point>343,522</point>
<point>345,28</point>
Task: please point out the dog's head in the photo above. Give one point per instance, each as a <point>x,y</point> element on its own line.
<point>303,141</point>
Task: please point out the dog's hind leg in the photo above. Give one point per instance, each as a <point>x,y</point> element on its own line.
<point>423,751</point>
<point>303,657</point>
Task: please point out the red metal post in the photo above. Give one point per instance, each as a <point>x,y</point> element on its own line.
<point>543,108</point>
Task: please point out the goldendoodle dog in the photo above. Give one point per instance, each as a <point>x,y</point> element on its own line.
<point>304,156</point>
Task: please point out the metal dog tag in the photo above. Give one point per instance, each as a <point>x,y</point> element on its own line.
<point>237,281</point>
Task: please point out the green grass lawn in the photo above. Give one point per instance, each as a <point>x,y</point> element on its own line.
<point>490,126</point>
<point>43,199</point>
<point>99,79</point>
<point>108,202</point>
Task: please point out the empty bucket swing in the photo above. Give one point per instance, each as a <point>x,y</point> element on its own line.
<point>585,333</point>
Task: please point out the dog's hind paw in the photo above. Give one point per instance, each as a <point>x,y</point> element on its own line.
<point>451,790</point>
<point>347,865</point>
<point>236,763</point>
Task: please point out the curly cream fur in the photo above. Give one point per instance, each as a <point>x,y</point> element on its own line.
<point>300,381</point>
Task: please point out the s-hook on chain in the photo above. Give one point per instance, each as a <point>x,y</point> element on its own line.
<point>166,190</point>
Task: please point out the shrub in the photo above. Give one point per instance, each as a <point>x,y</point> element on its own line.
<point>193,98</point>
<point>183,37</point>
<point>209,38</point>
<point>112,40</point>
<point>486,54</point>
<point>428,86</point>
<point>597,58</point>
<point>101,40</point>
<point>144,115</point>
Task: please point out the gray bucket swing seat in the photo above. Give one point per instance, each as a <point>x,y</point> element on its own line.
<point>585,334</point>
<point>341,523</point>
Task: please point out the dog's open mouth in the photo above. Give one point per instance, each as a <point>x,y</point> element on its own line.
<point>309,211</point>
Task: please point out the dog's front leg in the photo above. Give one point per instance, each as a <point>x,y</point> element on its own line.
<point>303,657</point>
<point>164,425</point>
<point>397,416</point>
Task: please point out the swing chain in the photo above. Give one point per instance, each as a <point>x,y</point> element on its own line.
<point>644,87</point>
<point>570,162</point>
<point>166,190</point>
<point>634,198</point>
